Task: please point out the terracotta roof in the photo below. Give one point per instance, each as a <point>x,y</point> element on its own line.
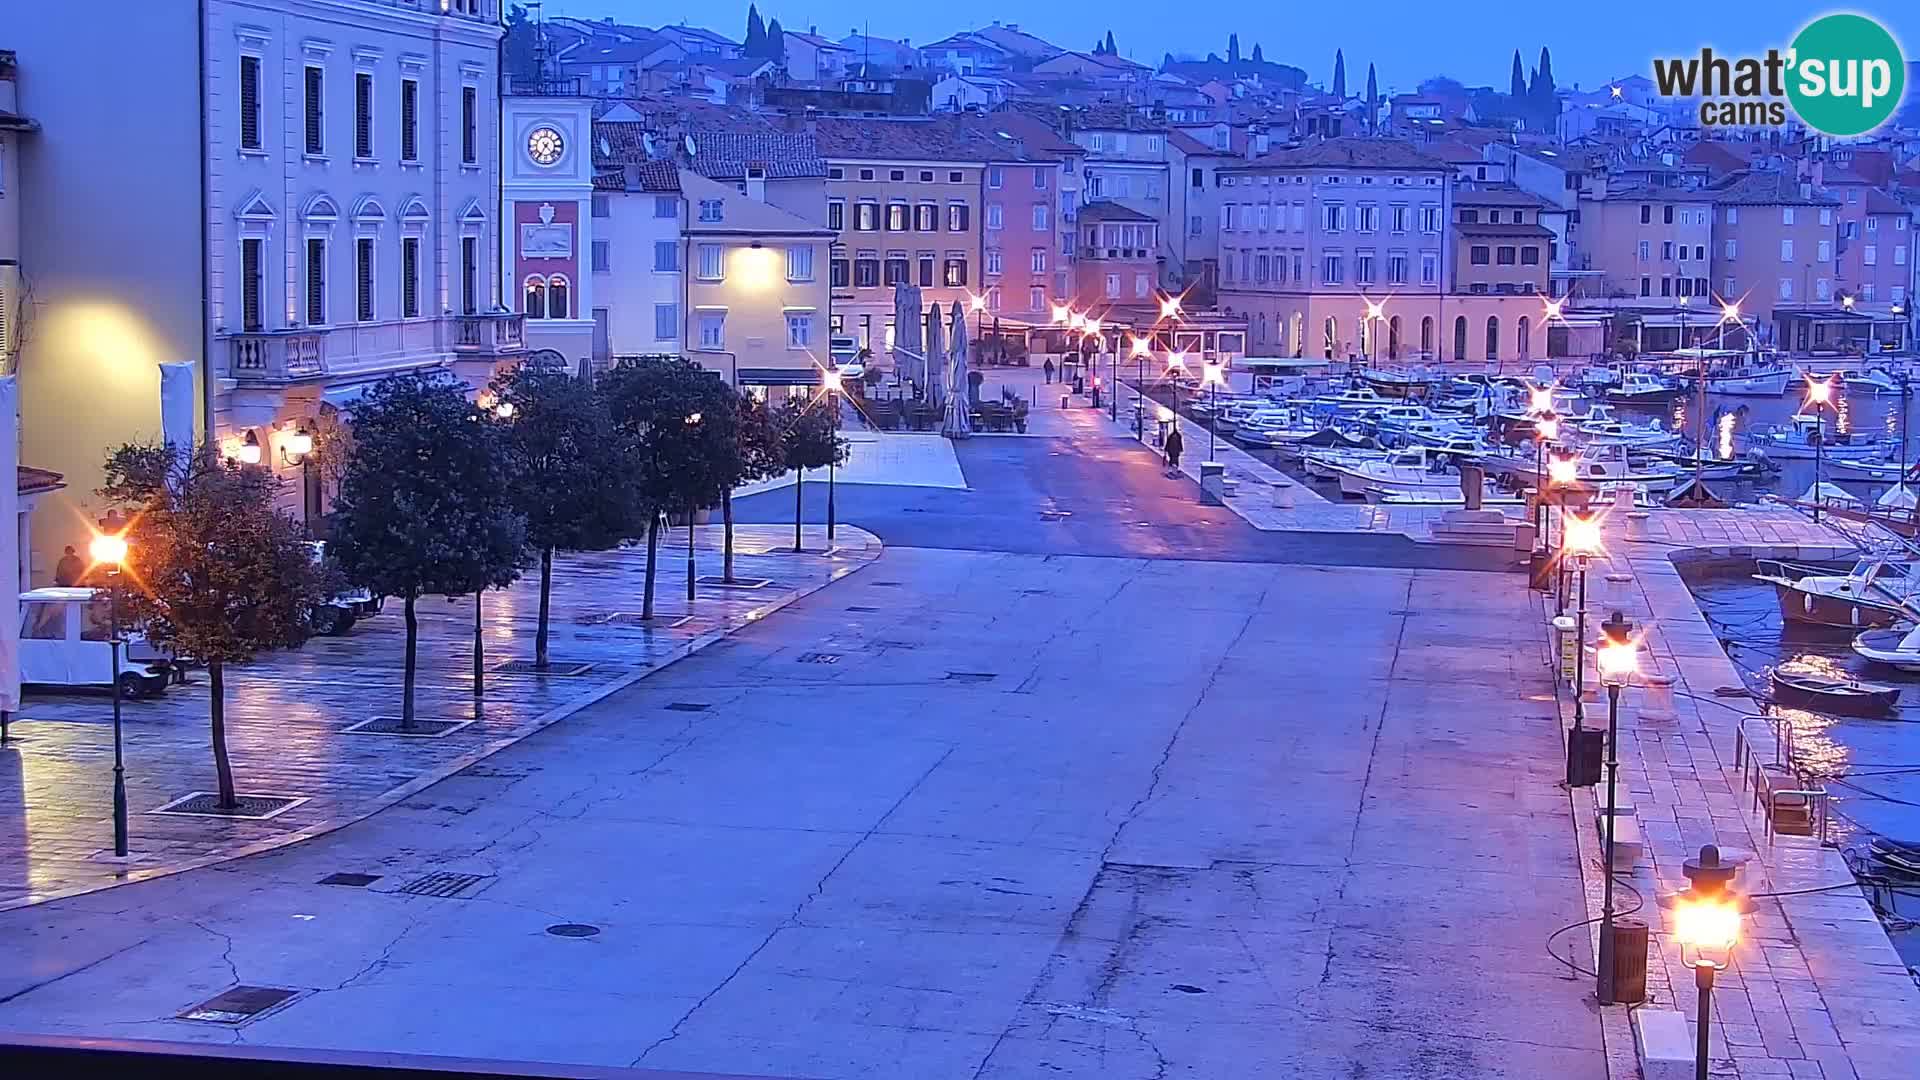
<point>1503,228</point>
<point>1351,153</point>
<point>1879,202</point>
<point>954,137</point>
<point>1651,193</point>
<point>1768,189</point>
<point>726,155</point>
<point>660,177</point>
<point>1034,136</point>
<point>1107,210</point>
<point>1496,196</point>
<point>615,52</point>
<point>32,480</point>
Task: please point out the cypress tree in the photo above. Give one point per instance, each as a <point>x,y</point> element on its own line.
<point>1373,99</point>
<point>1111,51</point>
<point>1233,48</point>
<point>1546,100</point>
<point>756,44</point>
<point>1257,58</point>
<point>1340,74</point>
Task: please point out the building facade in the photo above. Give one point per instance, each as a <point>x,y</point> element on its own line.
<point>1777,240</point>
<point>546,191</point>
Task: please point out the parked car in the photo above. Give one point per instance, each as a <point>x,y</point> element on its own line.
<point>64,642</point>
<point>341,610</point>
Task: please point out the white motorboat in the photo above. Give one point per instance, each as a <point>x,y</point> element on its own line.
<point>1806,436</point>
<point>1414,469</point>
<point>1439,433</point>
<point>1352,402</point>
<point>1607,463</point>
<point>1490,496</point>
<point>1642,386</point>
<point>1874,381</point>
<point>1607,432</point>
<point>1874,471</point>
<point>1894,646</point>
<point>1750,382</point>
<point>1325,462</point>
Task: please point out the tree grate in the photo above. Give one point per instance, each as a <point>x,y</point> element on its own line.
<point>689,706</point>
<point>558,669</point>
<point>442,883</point>
<point>716,581</point>
<point>239,1004</point>
<point>1055,515</point>
<point>251,807</point>
<point>971,676</point>
<point>819,658</point>
<point>634,618</point>
<point>391,725</point>
<point>352,881</point>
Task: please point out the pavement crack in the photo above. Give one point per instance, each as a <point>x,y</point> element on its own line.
<point>226,951</point>
<point>88,966</point>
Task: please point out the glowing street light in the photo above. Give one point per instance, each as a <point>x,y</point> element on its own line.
<point>1580,539</point>
<point>1139,346</point>
<point>110,550</point>
<point>1846,301</point>
<point>504,410</point>
<point>248,452</point>
<point>1540,400</point>
<point>1548,429</point>
<point>1061,313</point>
<point>1581,536</point>
<point>831,380</point>
<point>1706,921</point>
<point>1819,396</point>
<point>1170,307</point>
<point>1562,471</point>
<point>1211,376</point>
<point>1617,660</point>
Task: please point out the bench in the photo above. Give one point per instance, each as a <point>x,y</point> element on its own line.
<point>1628,845</point>
<point>1663,1043</point>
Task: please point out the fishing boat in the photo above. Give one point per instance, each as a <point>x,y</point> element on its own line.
<point>1750,382</point>
<point>1872,594</point>
<point>1414,469</point>
<point>1902,857</point>
<point>1894,646</point>
<point>1875,470</point>
<point>1637,387</point>
<point>1352,402</point>
<point>1439,433</point>
<point>1874,381</point>
<point>1491,496</point>
<point>1608,431</point>
<point>1849,697</point>
<point>1805,437</point>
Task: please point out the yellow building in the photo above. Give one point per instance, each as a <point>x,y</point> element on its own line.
<point>758,304</point>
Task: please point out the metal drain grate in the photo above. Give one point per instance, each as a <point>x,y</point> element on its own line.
<point>896,644</point>
<point>971,676</point>
<point>819,658</point>
<point>689,706</point>
<point>717,581</point>
<point>442,883</point>
<point>557,668</point>
<point>884,584</point>
<point>1055,515</point>
<point>422,728</point>
<point>634,618</point>
<point>239,1005</point>
<point>352,881</point>
<point>573,930</point>
<point>862,608</point>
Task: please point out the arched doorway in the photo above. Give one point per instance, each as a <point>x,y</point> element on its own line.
<point>1332,333</point>
<point>1460,337</point>
<point>1426,336</point>
<point>1393,338</point>
<point>1297,333</point>
<point>1493,337</point>
<point>1526,348</point>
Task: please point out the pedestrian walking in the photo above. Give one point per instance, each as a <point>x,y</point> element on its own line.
<point>1175,444</point>
<point>67,571</point>
<point>1048,368</point>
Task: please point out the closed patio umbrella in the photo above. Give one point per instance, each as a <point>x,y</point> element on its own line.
<point>959,423</point>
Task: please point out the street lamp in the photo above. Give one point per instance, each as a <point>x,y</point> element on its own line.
<point>110,550</point>
<point>1546,431</point>
<point>1706,920</point>
<point>248,452</point>
<point>1374,308</point>
<point>831,379</point>
<point>1138,348</point>
<point>1169,307</point>
<point>979,306</point>
<point>1562,473</point>
<point>1212,376</point>
<point>1617,658</point>
<point>1540,400</point>
<point>1176,370</point>
<point>1819,394</point>
<point>1580,538</point>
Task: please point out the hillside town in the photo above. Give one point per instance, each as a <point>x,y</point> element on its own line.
<point>595,548</point>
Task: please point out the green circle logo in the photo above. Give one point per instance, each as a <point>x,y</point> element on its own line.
<point>1845,75</point>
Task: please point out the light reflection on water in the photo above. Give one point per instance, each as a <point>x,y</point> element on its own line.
<point>1731,418</point>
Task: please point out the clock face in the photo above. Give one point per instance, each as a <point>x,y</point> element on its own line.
<point>544,145</point>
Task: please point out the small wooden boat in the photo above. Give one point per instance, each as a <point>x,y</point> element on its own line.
<point>1900,856</point>
<point>1849,697</point>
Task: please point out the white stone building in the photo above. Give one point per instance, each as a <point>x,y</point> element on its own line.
<point>297,197</point>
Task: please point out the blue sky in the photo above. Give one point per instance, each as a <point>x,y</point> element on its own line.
<point>1409,40</point>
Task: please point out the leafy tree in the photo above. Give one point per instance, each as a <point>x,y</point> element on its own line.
<point>762,456</point>
<point>1440,85</point>
<point>568,480</point>
<point>756,44</point>
<point>1339,74</point>
<point>1373,100</point>
<point>810,439</point>
<point>676,423</point>
<point>427,503</point>
<point>1111,51</point>
<point>223,575</point>
<point>1544,96</point>
<point>776,42</point>
<point>1257,57</point>
<point>1518,80</point>
<point>519,50</point>
<point>1233,48</point>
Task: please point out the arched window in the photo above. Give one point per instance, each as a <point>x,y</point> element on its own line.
<point>1260,329</point>
<point>1526,348</point>
<point>1299,333</point>
<point>1493,337</point>
<point>1332,332</point>
<point>1460,337</point>
<point>535,306</point>
<point>557,297</point>
<point>1393,338</point>
<point>1426,335</point>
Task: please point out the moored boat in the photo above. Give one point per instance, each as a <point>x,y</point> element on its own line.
<point>1872,594</point>
<point>1850,697</point>
<point>1894,646</point>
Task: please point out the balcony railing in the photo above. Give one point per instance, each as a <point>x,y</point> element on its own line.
<point>276,356</point>
<point>494,333</point>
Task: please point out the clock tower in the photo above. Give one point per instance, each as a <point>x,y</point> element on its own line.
<point>547,188</point>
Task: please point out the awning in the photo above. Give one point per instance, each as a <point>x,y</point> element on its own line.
<point>806,376</point>
<point>344,398</point>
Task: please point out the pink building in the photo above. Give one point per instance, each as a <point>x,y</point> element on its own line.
<point>1020,249</point>
<point>1116,264</point>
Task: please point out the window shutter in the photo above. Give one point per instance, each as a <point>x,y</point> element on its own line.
<point>409,120</point>
<point>362,115</point>
<point>250,102</point>
<point>469,124</point>
<point>363,278</point>
<point>469,266</point>
<point>316,116</point>
<point>316,282</point>
<point>410,276</point>
<point>250,283</point>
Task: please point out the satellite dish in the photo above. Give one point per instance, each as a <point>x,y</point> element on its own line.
<point>606,148</point>
<point>691,149</point>
<point>646,142</point>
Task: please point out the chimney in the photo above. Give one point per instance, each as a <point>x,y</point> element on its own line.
<point>9,90</point>
<point>811,120</point>
<point>757,183</point>
<point>632,175</point>
<point>1806,190</point>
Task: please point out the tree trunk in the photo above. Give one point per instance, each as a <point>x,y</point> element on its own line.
<point>799,506</point>
<point>479,650</point>
<point>217,716</point>
<point>653,551</point>
<point>691,573</point>
<point>726,517</point>
<point>406,693</point>
<point>546,594</point>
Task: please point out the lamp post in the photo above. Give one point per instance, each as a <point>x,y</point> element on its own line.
<point>832,381</point>
<point>1819,394</point>
<point>1374,309</point>
<point>1546,431</point>
<point>1580,537</point>
<point>1706,920</point>
<point>1212,376</point>
<point>1176,370</point>
<point>1618,659</point>
<point>297,449</point>
<point>110,550</point>
<point>1561,475</point>
<point>1140,347</point>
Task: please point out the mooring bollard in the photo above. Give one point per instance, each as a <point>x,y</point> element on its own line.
<point>1637,525</point>
<point>1283,494</point>
<point>1656,698</point>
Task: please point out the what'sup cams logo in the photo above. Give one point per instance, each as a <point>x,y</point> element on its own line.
<point>1843,75</point>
